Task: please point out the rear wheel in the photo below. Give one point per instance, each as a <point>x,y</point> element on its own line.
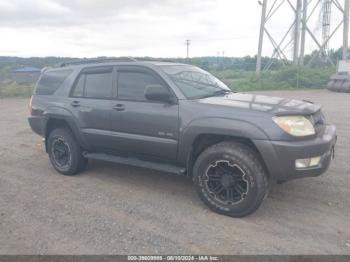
<point>65,153</point>
<point>230,179</point>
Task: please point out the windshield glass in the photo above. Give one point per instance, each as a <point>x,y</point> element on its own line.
<point>195,82</point>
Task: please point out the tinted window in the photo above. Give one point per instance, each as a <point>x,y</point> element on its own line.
<point>79,87</point>
<point>98,85</point>
<point>94,85</point>
<point>51,81</point>
<point>132,85</point>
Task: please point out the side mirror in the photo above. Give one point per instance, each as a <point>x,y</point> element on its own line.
<point>158,93</point>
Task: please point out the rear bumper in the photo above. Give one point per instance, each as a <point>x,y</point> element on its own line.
<point>280,156</point>
<point>36,123</point>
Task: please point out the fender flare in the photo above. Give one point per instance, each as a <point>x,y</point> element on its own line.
<point>59,113</point>
<point>216,126</point>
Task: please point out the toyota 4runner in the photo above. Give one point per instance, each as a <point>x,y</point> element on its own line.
<point>179,119</point>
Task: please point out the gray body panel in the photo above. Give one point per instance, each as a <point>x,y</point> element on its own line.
<point>165,132</point>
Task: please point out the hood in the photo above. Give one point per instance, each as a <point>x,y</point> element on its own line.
<point>267,104</point>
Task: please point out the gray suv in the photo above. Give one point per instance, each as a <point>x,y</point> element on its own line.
<point>181,120</point>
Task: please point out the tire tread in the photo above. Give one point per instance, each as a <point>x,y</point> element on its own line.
<point>247,155</point>
<point>78,161</point>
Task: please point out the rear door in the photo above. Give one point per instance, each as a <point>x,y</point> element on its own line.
<point>139,126</point>
<point>91,101</point>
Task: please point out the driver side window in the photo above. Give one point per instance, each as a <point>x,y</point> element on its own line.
<point>132,85</point>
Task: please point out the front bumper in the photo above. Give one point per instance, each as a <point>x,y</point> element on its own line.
<point>280,156</point>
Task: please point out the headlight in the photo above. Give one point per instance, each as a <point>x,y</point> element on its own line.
<point>295,125</point>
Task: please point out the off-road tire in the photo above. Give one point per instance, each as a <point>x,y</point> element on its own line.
<point>235,154</point>
<point>77,162</point>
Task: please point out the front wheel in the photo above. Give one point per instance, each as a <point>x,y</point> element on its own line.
<point>230,179</point>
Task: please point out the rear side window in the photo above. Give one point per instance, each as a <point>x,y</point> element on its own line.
<point>51,81</point>
<point>94,85</point>
<point>98,85</point>
<point>132,85</point>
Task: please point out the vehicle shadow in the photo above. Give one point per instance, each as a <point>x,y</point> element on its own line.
<point>284,199</point>
<point>146,179</point>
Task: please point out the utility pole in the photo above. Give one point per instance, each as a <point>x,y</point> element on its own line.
<point>303,32</point>
<point>297,33</point>
<point>346,29</point>
<point>188,43</point>
<point>261,36</point>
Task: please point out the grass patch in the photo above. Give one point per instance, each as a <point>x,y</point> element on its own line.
<point>13,89</point>
<point>287,78</point>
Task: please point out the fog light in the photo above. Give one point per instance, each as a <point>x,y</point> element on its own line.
<point>307,162</point>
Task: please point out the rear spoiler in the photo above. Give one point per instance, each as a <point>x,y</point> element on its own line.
<point>44,69</point>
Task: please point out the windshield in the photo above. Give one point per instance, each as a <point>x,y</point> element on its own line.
<point>195,82</point>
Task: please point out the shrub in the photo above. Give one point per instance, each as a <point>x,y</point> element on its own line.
<point>286,78</point>
<point>11,89</point>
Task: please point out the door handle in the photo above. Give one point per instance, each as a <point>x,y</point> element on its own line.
<point>75,103</point>
<point>119,107</point>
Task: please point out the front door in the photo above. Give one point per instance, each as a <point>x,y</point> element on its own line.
<point>142,127</point>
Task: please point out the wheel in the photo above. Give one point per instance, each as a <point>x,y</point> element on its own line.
<point>230,179</point>
<point>65,153</point>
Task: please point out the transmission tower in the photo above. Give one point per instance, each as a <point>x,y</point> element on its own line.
<point>326,23</point>
<point>302,10</point>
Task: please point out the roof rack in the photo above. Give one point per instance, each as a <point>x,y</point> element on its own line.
<point>151,59</point>
<point>98,60</point>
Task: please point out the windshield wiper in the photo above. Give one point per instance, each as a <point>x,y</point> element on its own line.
<point>216,93</point>
<point>221,92</point>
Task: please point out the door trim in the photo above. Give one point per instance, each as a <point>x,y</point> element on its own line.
<point>130,136</point>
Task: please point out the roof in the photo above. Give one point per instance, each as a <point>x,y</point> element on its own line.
<point>115,61</point>
<point>27,70</point>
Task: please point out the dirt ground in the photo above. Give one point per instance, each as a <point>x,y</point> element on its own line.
<point>113,209</point>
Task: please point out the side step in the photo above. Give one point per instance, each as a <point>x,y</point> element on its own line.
<point>167,168</point>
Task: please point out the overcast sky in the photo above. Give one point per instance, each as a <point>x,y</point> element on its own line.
<point>158,28</point>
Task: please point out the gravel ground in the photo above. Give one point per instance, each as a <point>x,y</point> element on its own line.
<point>113,209</point>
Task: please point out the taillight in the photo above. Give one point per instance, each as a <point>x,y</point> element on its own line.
<point>30,105</point>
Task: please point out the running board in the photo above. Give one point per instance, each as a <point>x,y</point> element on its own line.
<point>167,168</point>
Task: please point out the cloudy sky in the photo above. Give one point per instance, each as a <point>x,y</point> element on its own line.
<point>159,28</point>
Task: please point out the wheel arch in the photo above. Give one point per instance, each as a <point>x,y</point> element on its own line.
<point>205,140</point>
<point>53,122</point>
